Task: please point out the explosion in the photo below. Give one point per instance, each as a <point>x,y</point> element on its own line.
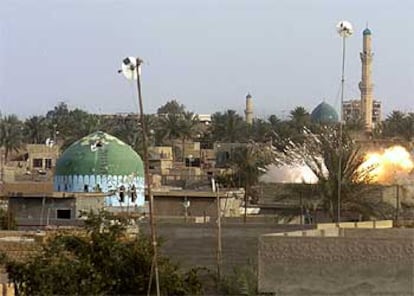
<point>388,166</point>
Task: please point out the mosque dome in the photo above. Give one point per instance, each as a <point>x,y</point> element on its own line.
<point>99,162</point>
<point>366,32</point>
<point>324,113</point>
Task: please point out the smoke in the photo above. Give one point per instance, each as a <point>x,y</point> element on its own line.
<point>390,166</point>
<point>289,174</point>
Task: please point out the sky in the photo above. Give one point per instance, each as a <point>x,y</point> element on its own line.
<point>206,54</point>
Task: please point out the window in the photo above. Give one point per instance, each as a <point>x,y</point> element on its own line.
<point>37,163</point>
<point>48,163</point>
<point>63,214</point>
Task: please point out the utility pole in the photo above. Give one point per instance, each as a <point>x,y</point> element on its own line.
<point>148,177</point>
<point>344,29</point>
<point>219,251</point>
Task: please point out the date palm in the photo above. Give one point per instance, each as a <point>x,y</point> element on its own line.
<point>11,135</point>
<point>36,130</point>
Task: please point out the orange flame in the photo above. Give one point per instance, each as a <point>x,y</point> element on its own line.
<point>389,166</point>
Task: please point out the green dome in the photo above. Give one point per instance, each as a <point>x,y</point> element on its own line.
<point>324,113</point>
<point>366,32</point>
<point>99,154</point>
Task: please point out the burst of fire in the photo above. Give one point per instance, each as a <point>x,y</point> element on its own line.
<point>388,166</point>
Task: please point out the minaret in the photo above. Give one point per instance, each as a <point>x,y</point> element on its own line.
<point>366,86</point>
<point>249,109</point>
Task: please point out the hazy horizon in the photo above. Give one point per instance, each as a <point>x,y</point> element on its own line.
<point>207,55</point>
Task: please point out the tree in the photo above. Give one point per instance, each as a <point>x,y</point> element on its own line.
<point>248,163</point>
<point>101,261</point>
<point>321,152</point>
<point>399,124</point>
<point>188,128</point>
<point>171,107</point>
<point>228,127</point>
<point>11,134</point>
<point>300,118</point>
<point>261,131</point>
<point>36,130</point>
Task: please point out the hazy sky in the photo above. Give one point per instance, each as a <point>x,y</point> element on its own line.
<point>206,54</point>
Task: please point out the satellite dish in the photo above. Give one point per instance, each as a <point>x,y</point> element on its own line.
<point>129,68</point>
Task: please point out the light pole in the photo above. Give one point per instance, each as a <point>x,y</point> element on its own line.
<point>131,68</point>
<point>344,29</point>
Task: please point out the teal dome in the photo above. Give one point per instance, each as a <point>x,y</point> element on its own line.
<point>366,32</point>
<point>100,162</point>
<point>99,154</point>
<point>324,113</point>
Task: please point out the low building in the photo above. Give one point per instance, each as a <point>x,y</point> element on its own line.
<point>188,203</point>
<point>37,211</point>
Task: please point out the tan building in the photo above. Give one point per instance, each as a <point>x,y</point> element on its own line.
<point>352,111</point>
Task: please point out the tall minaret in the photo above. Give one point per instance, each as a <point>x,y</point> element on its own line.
<point>249,109</point>
<point>366,86</point>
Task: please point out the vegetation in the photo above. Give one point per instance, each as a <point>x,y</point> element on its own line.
<point>242,281</point>
<point>103,261</point>
<point>398,124</point>
<point>321,152</point>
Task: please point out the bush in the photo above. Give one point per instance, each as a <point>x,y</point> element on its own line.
<point>102,261</point>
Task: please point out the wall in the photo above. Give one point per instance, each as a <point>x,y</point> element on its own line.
<point>361,262</point>
<point>39,211</point>
<point>200,206</point>
<point>193,245</point>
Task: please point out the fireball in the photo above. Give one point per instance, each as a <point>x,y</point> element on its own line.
<point>389,166</point>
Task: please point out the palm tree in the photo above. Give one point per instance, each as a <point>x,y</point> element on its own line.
<point>228,127</point>
<point>320,152</point>
<point>248,164</point>
<point>188,128</point>
<point>11,135</point>
<point>299,117</point>
<point>36,129</point>
<point>393,124</point>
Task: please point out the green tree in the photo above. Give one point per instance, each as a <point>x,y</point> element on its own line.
<point>102,261</point>
<point>399,124</point>
<point>228,127</point>
<point>171,107</point>
<point>300,118</point>
<point>36,130</point>
<point>11,134</point>
<point>248,163</point>
<point>189,128</point>
<point>260,131</point>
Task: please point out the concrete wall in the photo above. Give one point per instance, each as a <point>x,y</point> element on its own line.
<point>199,206</point>
<point>361,262</point>
<point>194,245</point>
<point>32,212</point>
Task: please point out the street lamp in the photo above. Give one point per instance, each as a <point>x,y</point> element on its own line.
<point>344,29</point>
<point>131,69</point>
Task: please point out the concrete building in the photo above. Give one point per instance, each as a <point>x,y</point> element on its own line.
<point>37,211</point>
<point>352,111</point>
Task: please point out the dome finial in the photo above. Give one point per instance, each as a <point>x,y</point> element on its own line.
<point>367,31</point>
